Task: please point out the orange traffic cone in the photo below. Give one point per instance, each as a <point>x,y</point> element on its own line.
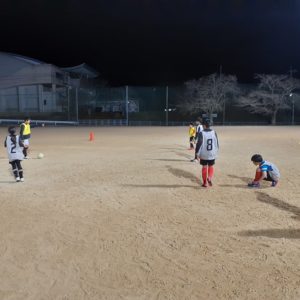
<point>92,136</point>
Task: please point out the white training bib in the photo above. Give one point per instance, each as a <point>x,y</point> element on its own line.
<point>14,151</point>
<point>199,128</point>
<point>209,148</point>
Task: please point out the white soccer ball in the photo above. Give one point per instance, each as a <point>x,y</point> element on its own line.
<point>40,155</point>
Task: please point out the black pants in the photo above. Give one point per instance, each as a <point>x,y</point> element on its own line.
<point>17,168</point>
<point>204,162</point>
<point>25,151</point>
<point>191,142</point>
<point>269,178</point>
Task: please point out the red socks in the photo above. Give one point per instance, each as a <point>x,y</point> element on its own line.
<point>204,174</point>
<point>210,172</point>
<point>207,172</point>
<point>257,176</point>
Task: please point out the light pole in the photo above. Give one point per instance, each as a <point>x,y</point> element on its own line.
<point>167,106</point>
<point>127,105</point>
<point>293,109</point>
<point>224,108</point>
<point>76,100</point>
<point>69,90</point>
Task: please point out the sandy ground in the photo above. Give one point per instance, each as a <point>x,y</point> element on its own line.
<point>124,217</point>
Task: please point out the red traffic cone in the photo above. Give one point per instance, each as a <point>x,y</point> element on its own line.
<point>92,136</point>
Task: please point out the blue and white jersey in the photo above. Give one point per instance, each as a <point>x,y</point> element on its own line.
<point>270,168</point>
<point>14,150</point>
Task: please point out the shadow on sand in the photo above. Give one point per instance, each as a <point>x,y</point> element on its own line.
<point>183,174</point>
<point>168,159</point>
<point>163,186</point>
<point>275,233</point>
<point>246,180</point>
<point>176,172</point>
<point>265,198</point>
<point>272,233</point>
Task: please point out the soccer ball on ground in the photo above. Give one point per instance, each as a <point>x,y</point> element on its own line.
<point>40,155</point>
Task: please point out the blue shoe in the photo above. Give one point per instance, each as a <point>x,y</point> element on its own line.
<point>254,184</point>
<point>274,183</point>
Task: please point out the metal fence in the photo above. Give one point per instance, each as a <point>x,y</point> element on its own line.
<point>119,106</point>
<point>7,122</point>
<point>159,105</point>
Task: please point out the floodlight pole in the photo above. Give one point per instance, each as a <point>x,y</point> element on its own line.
<point>167,105</point>
<point>126,106</point>
<point>291,95</point>
<point>68,102</point>
<point>224,111</point>
<point>293,114</point>
<point>224,102</point>
<point>76,98</point>
<point>293,111</point>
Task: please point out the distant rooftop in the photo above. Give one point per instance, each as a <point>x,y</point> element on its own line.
<point>29,60</point>
<point>83,69</point>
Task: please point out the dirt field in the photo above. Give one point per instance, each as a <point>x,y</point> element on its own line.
<point>124,217</point>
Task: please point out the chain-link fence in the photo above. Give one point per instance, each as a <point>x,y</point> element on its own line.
<point>160,105</point>
<point>132,105</point>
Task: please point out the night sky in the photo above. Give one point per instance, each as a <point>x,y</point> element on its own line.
<point>147,42</point>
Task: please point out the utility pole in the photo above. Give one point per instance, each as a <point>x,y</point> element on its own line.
<point>127,105</point>
<point>76,100</point>
<point>167,106</point>
<point>68,90</point>
<point>224,102</point>
<point>293,109</point>
<point>292,71</point>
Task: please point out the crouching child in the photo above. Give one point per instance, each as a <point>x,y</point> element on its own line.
<point>265,171</point>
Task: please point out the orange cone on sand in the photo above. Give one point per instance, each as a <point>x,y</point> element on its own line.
<point>92,136</point>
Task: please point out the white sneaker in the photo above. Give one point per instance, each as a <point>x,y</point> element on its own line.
<point>22,179</point>
<point>17,179</point>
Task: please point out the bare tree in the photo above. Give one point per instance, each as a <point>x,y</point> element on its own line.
<point>208,93</point>
<point>271,95</point>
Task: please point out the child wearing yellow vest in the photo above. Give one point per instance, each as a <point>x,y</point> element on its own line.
<point>192,134</point>
<point>25,134</point>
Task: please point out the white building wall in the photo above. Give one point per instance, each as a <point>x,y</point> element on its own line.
<point>29,85</point>
<point>40,74</point>
<point>28,98</point>
<point>9,101</point>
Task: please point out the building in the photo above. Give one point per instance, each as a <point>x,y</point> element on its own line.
<point>32,87</point>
